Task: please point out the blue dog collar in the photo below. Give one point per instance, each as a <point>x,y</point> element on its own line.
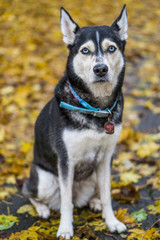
<point>88,109</point>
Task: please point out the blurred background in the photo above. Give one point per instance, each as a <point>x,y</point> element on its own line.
<point>33,58</point>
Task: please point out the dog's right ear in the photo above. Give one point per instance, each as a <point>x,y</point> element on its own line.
<point>68,27</point>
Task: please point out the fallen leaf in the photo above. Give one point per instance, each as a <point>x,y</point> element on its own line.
<point>3,227</point>
<point>30,234</point>
<point>123,216</point>
<point>7,191</point>
<point>146,170</point>
<point>136,234</point>
<point>139,234</point>
<point>85,231</point>
<point>147,149</point>
<point>99,225</point>
<point>155,182</point>
<point>128,136</point>
<point>26,147</point>
<point>126,194</point>
<point>7,222</point>
<point>2,134</point>
<point>11,179</point>
<point>154,209</point>
<point>7,90</point>
<point>129,177</point>
<point>28,208</point>
<point>140,215</point>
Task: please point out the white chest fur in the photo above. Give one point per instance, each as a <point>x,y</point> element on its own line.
<point>85,145</point>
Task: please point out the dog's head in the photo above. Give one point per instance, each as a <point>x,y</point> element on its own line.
<point>96,53</point>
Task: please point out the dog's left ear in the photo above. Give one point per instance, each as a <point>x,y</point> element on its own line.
<point>121,24</point>
<point>68,27</point>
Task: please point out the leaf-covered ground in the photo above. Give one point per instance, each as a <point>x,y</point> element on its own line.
<point>33,59</point>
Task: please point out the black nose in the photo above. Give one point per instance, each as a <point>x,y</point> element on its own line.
<point>100,70</point>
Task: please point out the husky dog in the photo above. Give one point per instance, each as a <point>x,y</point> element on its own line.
<point>77,131</point>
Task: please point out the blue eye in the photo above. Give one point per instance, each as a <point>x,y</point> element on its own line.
<point>85,51</point>
<point>111,49</point>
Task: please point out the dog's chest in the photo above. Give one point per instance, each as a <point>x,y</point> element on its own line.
<point>86,148</point>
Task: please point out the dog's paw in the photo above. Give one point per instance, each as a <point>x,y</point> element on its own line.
<point>43,211</point>
<point>65,231</point>
<point>95,204</point>
<point>116,226</point>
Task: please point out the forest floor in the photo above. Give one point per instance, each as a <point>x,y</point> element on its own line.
<point>33,59</point>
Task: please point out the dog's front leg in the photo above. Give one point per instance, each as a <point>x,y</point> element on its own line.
<point>66,181</point>
<point>103,175</point>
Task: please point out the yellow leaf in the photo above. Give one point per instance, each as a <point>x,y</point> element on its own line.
<point>7,191</point>
<point>136,234</point>
<point>139,234</point>
<point>128,136</point>
<point>152,233</point>
<point>122,156</point>
<point>155,181</point>
<point>76,238</point>
<point>153,137</point>
<point>7,90</point>
<point>129,177</point>
<point>30,234</point>
<point>123,216</point>
<point>2,134</point>
<point>152,107</point>
<point>26,147</point>
<point>149,104</point>
<point>146,149</point>
<point>98,225</point>
<point>154,209</point>
<point>146,170</point>
<point>3,194</point>
<point>28,208</point>
<point>11,179</point>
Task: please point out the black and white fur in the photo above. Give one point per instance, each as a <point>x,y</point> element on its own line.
<point>72,152</point>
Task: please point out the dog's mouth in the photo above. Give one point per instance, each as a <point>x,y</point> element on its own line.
<point>101,80</point>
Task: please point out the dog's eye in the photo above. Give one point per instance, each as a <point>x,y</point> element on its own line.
<point>111,49</point>
<point>85,50</point>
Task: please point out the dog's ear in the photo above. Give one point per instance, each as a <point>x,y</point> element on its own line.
<point>68,27</point>
<point>121,24</point>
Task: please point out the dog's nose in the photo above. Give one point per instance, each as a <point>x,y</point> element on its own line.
<point>100,70</point>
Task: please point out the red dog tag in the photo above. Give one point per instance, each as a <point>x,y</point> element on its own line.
<point>109,127</point>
